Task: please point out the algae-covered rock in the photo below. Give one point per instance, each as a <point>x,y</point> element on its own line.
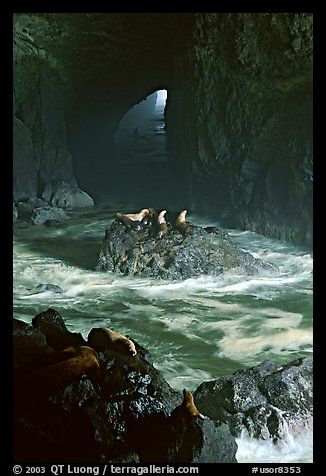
<point>208,251</point>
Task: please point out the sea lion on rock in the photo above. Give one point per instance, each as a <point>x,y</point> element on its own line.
<point>187,408</point>
<point>138,216</point>
<point>72,364</point>
<point>181,224</point>
<point>152,211</point>
<point>128,222</point>
<point>162,225</point>
<point>150,218</point>
<point>150,222</point>
<point>103,338</point>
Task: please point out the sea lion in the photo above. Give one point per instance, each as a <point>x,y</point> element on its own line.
<point>102,338</point>
<point>128,222</point>
<point>162,225</point>
<point>138,216</point>
<point>150,218</point>
<point>72,364</point>
<point>150,222</point>
<point>42,361</point>
<point>181,224</point>
<point>187,407</point>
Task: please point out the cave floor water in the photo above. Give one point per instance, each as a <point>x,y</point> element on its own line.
<point>196,329</point>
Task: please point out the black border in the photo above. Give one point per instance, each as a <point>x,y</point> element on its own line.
<point>261,6</point>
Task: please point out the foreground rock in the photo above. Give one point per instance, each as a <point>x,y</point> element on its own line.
<point>205,251</point>
<point>29,344</point>
<point>72,404</point>
<point>263,401</point>
<point>51,324</point>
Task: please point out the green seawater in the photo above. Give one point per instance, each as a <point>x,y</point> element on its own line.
<point>196,329</point>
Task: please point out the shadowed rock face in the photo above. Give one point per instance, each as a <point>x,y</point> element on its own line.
<point>175,256</point>
<point>51,324</point>
<point>87,407</point>
<point>75,78</point>
<point>264,401</point>
<point>110,407</point>
<point>30,344</point>
<point>248,104</point>
<point>238,116</point>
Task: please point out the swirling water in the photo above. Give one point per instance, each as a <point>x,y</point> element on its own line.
<point>196,329</point>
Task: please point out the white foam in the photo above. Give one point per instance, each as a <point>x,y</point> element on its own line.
<point>196,329</point>
<point>297,449</point>
<point>238,347</point>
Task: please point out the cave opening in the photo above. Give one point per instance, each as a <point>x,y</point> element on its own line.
<point>141,136</point>
<point>123,154</point>
<point>145,169</point>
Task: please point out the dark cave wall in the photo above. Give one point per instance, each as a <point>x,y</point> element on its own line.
<point>40,151</point>
<point>243,124</point>
<point>75,76</point>
<point>238,117</point>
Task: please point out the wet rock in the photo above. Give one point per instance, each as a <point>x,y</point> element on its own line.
<point>38,211</point>
<point>26,208</point>
<point>66,195</point>
<point>120,413</point>
<point>49,287</point>
<point>264,401</point>
<point>195,441</point>
<point>126,376</point>
<point>175,256</point>
<point>51,324</point>
<point>216,445</point>
<point>43,214</point>
<point>29,344</point>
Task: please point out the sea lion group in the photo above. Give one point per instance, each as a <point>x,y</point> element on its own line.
<point>60,366</point>
<point>72,356</point>
<point>148,219</point>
